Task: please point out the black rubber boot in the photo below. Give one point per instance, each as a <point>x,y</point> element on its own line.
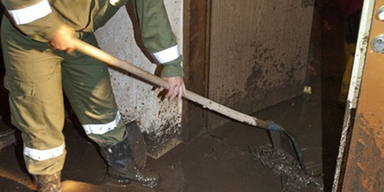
<point>48,183</point>
<point>122,169</point>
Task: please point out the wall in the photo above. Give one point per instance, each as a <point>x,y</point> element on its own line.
<point>258,53</point>
<point>158,119</point>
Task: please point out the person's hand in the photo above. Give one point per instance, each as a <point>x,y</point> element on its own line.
<point>62,39</point>
<point>176,88</point>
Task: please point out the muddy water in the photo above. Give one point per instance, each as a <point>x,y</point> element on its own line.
<point>283,164</point>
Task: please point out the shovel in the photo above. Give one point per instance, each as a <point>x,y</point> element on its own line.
<point>280,137</point>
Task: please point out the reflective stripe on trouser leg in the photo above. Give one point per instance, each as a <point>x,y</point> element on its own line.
<point>87,84</point>
<point>41,155</point>
<point>33,78</point>
<point>100,129</point>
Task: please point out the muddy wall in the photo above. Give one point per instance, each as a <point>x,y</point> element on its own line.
<point>258,53</point>
<point>138,100</point>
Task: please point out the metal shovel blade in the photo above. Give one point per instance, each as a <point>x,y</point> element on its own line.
<point>284,140</point>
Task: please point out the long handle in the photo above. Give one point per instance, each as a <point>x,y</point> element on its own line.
<point>112,61</point>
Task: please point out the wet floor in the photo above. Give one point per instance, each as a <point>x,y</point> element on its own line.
<point>220,161</point>
<point>228,159</point>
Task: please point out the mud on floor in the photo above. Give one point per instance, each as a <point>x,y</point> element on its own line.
<point>288,168</point>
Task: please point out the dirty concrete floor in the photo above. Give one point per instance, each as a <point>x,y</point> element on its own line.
<point>222,160</point>
<point>218,161</point>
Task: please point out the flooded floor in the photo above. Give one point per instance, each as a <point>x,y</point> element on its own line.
<point>228,159</point>
<point>223,161</point>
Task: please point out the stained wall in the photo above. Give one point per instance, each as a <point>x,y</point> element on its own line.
<point>138,101</point>
<point>258,53</point>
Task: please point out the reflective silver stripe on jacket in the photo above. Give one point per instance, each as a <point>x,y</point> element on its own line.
<point>167,55</point>
<point>41,155</point>
<point>100,129</point>
<point>31,13</point>
<point>114,2</point>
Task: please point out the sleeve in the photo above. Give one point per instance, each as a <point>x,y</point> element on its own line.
<point>158,36</point>
<point>35,18</point>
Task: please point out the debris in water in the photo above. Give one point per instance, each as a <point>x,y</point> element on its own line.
<point>283,164</point>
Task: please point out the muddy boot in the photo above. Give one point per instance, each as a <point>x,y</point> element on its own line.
<point>48,183</point>
<point>122,169</point>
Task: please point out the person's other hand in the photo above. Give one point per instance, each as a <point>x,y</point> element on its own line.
<point>62,39</point>
<point>176,88</point>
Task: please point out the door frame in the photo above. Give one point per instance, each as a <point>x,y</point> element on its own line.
<point>196,29</point>
<point>354,147</point>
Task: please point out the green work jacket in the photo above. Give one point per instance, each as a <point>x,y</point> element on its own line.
<point>40,19</point>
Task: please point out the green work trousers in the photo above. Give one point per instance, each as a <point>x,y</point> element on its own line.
<point>35,77</point>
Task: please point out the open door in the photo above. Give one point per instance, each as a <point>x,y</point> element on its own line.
<point>361,154</point>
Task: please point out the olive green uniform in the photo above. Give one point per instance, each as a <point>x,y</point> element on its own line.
<point>36,74</point>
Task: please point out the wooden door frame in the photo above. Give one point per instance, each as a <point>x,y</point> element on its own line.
<point>196,33</point>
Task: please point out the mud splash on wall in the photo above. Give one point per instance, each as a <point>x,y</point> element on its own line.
<point>283,164</point>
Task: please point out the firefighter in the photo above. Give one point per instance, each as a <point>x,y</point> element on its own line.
<point>351,10</point>
<point>41,61</point>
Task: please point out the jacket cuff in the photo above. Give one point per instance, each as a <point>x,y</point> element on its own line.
<point>46,31</point>
<point>172,69</point>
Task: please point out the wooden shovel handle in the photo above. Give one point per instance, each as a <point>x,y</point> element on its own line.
<point>112,61</point>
